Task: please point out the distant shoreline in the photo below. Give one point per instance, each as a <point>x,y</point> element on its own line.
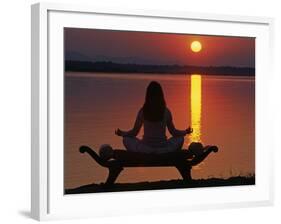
<point>111,67</point>
<point>161,185</point>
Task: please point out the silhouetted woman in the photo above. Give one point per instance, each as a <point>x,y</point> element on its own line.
<point>155,117</point>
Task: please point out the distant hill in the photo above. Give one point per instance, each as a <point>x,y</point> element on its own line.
<point>76,56</point>
<point>111,67</point>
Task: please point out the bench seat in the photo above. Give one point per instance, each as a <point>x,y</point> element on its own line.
<point>183,160</point>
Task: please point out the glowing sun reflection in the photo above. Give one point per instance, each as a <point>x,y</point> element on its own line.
<point>195,98</point>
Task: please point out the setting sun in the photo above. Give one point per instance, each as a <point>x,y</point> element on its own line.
<point>196,46</point>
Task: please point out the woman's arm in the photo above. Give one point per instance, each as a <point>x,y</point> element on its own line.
<point>135,130</point>
<point>171,127</point>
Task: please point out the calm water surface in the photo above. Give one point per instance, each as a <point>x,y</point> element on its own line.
<point>221,110</point>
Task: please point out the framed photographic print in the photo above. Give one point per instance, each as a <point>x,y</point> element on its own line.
<point>164,111</point>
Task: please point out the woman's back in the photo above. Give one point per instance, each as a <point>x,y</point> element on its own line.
<point>154,132</point>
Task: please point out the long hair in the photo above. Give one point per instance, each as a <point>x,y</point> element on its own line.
<point>154,105</point>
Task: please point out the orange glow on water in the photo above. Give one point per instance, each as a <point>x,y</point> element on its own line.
<point>195,100</point>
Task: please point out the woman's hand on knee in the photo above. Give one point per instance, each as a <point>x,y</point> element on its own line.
<point>189,130</point>
<point>118,132</point>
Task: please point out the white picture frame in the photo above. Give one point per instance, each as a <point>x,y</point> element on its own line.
<point>48,200</point>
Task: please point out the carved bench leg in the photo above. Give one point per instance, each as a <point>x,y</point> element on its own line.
<point>185,172</point>
<point>113,174</point>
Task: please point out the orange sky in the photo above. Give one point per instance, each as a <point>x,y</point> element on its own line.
<point>157,48</point>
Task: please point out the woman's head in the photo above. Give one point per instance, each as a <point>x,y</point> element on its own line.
<point>154,105</point>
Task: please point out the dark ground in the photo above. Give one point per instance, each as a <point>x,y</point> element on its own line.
<point>170,184</point>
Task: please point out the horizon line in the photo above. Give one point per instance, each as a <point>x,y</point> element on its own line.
<point>145,64</point>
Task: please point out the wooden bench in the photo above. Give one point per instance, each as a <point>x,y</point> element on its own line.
<point>183,160</point>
